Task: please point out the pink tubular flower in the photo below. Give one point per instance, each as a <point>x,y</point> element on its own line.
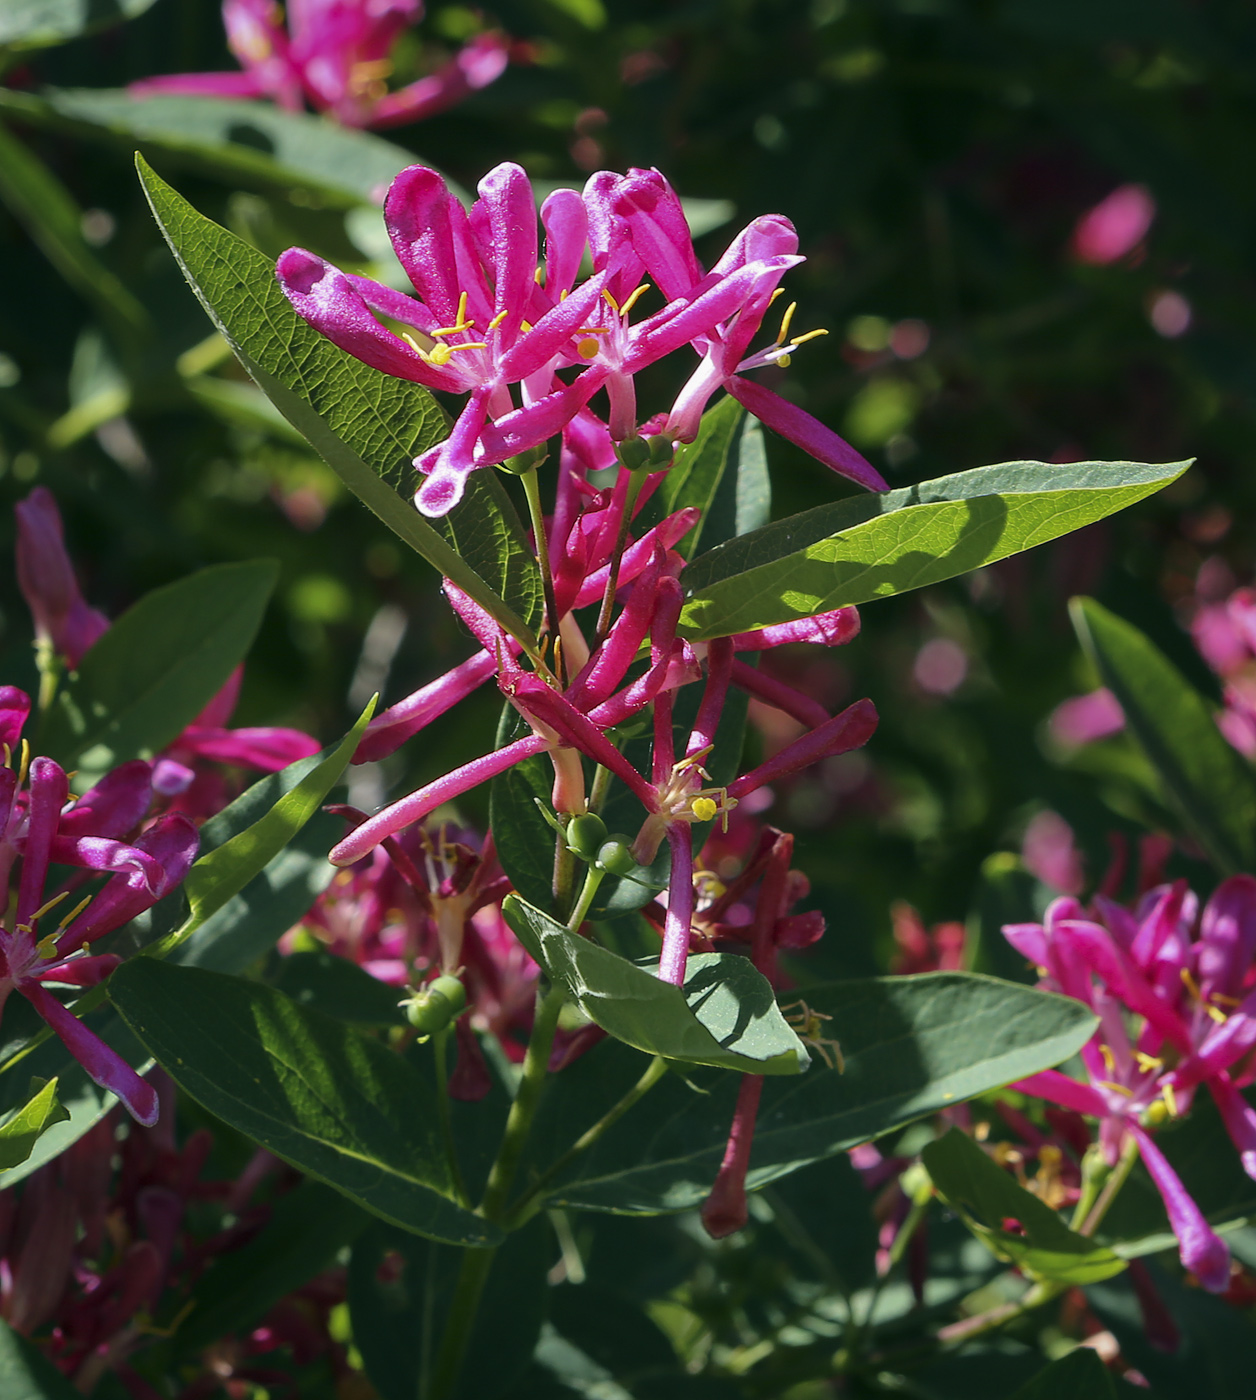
<point>37,826</point>
<point>486,324</point>
<point>46,577</point>
<point>1184,979</point>
<point>335,55</point>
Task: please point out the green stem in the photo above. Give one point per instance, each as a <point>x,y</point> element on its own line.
<point>532,490</point>
<point>635,482</point>
<point>529,1203</point>
<point>463,1307</point>
<point>1120,1175</point>
<point>970,1327</point>
<point>564,877</point>
<point>523,1109</point>
<point>599,788</point>
<point>593,877</point>
<point>440,1043</point>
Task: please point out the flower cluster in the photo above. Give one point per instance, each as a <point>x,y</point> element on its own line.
<point>1173,988</point>
<point>335,55</point>
<point>492,323</point>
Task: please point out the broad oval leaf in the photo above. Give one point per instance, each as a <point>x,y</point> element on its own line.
<point>36,24</point>
<point>333,1102</point>
<point>1210,784</point>
<point>725,1015</point>
<point>253,142</point>
<point>872,546</point>
<point>367,426</point>
<point>27,1374</point>
<point>912,1046</point>
<point>156,668</point>
<point>986,1197</point>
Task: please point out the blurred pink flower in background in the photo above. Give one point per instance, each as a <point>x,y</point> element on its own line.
<point>1115,226</point>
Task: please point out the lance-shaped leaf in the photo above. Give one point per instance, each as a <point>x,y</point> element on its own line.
<point>726,1013</point>
<point>35,24</point>
<point>334,1102</point>
<point>912,1046</point>
<point>367,426</point>
<point>226,869</point>
<point>867,547</point>
<point>1210,784</point>
<point>20,1132</point>
<point>1080,1376</point>
<point>1013,1224</point>
<point>156,668</point>
<point>254,143</point>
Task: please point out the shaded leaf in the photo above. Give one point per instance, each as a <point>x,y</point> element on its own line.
<point>256,143</point>
<point>156,668</point>
<point>872,546</point>
<point>339,988</point>
<point>726,1014</point>
<point>20,1132</point>
<point>1210,784</point>
<point>26,1374</point>
<point>912,1045</point>
<point>32,24</point>
<point>1080,1375</point>
<point>988,1199</point>
<point>333,1102</point>
<point>367,426</point>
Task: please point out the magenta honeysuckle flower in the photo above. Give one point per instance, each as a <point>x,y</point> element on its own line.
<point>335,55</point>
<point>1184,978</point>
<point>488,323</point>
<point>45,575</point>
<point>40,825</point>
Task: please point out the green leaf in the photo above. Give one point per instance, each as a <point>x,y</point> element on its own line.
<point>36,24</point>
<point>725,1015</point>
<point>520,833</point>
<point>254,143</point>
<point>228,868</point>
<point>338,988</point>
<point>367,426</point>
<point>723,472</point>
<point>986,1198</point>
<point>306,1230</point>
<point>26,1374</point>
<point>156,668</point>
<point>43,204</point>
<point>1080,1376</point>
<point>20,1131</point>
<point>1212,787</point>
<point>335,1103</point>
<point>399,1294</point>
<point>912,1046</point>
<point>867,546</point>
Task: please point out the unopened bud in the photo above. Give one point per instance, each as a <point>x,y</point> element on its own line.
<point>585,835</point>
<point>435,1006</point>
<point>634,453</point>
<point>524,462</point>
<point>615,856</point>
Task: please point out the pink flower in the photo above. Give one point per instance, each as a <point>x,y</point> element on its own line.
<point>46,577</point>
<point>335,55</point>
<point>1171,990</point>
<point>37,825</point>
<point>1115,226</point>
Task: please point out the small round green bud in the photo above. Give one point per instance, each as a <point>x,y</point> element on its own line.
<point>615,856</point>
<point>524,462</point>
<point>661,451</point>
<point>585,835</point>
<point>435,1006</point>
<point>634,453</point>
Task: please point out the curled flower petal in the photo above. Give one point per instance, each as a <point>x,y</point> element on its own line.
<point>1202,1251</point>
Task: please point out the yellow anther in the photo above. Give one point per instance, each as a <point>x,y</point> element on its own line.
<point>610,301</point>
<point>779,292</point>
<point>704,809</point>
<point>73,914</point>
<point>785,320</point>
<point>1170,1099</point>
<point>634,298</point>
<point>539,275</point>
<point>808,335</point>
<point>1190,984</point>
<point>1217,1014</point>
<point>24,766</point>
<point>460,322</point>
<point>588,347</point>
<point>1116,1088</point>
<point>47,947</point>
<point>52,904</point>
<point>525,326</point>
<point>1148,1063</point>
<point>1222,1000</point>
<point>694,759</point>
<point>1108,1058</point>
<point>498,319</point>
<point>784,361</point>
<point>8,755</point>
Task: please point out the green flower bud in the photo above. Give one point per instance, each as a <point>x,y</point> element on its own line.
<point>615,856</point>
<point>585,835</point>
<point>524,462</point>
<point>435,1006</point>
<point>661,452</point>
<point>634,453</point>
